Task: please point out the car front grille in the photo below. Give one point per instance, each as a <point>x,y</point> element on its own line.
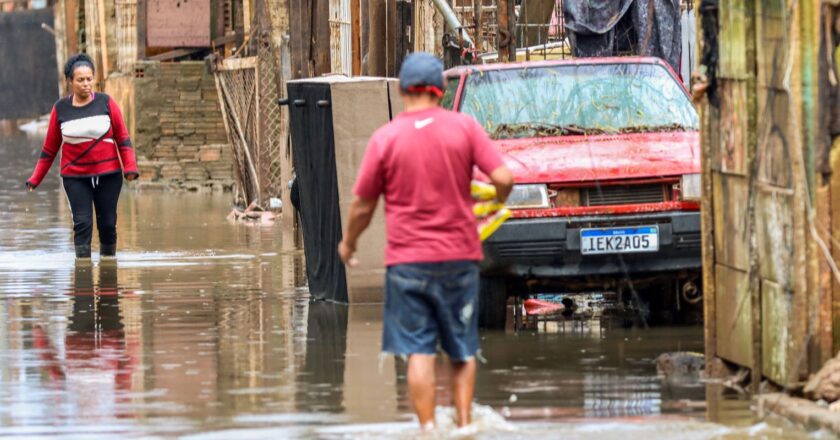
<point>543,248</point>
<point>624,195</point>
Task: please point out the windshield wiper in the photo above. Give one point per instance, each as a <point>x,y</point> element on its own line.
<point>543,129</point>
<point>655,128</point>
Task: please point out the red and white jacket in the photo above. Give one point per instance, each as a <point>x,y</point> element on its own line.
<point>93,140</point>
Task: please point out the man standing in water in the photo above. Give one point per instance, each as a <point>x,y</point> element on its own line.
<point>422,163</point>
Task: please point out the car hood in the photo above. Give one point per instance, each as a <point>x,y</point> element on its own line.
<point>612,157</point>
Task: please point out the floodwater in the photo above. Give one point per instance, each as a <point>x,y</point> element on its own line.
<point>201,330</point>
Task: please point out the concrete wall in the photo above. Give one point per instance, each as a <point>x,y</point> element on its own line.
<point>177,126</point>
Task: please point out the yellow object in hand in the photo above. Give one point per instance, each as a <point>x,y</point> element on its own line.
<point>488,226</point>
<point>485,209</point>
<point>482,191</point>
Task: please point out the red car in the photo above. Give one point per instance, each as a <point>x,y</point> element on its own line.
<point>606,156</point>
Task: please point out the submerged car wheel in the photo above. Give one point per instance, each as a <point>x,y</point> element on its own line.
<point>492,303</point>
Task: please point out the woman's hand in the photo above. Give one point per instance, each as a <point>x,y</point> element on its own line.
<point>131,176</point>
<point>30,187</point>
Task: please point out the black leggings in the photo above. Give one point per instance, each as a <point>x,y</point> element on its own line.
<point>85,193</point>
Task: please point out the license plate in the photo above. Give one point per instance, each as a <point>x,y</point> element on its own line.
<point>619,240</point>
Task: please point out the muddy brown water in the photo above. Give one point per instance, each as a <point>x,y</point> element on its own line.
<point>202,330</point>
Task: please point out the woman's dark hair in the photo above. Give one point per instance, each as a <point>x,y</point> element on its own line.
<point>78,60</point>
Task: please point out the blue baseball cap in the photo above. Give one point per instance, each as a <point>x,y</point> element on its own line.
<point>422,72</point>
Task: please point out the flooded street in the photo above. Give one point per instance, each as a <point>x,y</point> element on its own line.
<point>201,330</point>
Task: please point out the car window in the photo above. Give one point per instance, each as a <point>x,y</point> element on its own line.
<point>449,94</point>
<point>577,99</point>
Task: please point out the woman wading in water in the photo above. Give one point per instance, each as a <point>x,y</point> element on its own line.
<point>89,130</point>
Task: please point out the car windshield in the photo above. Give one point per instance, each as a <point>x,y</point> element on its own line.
<point>577,99</point>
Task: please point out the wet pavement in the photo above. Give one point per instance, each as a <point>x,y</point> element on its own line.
<point>201,330</point>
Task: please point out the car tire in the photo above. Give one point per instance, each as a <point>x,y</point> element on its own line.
<point>492,303</point>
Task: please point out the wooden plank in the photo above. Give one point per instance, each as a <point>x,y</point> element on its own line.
<point>320,55</point>
<point>377,60</point>
<point>238,63</point>
<point>730,221</point>
<point>390,37</point>
<point>777,339</point>
<point>172,54</point>
<point>71,33</point>
<point>356,35</point>
<point>247,16</point>
<point>300,37</point>
<point>734,316</point>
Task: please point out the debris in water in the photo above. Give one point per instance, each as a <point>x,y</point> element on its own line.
<point>253,213</point>
<point>535,307</point>
<point>825,384</point>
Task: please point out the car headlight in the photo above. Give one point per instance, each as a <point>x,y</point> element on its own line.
<point>528,197</point>
<point>691,187</point>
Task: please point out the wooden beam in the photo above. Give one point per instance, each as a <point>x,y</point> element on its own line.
<point>356,35</point>
<point>177,53</point>
<point>391,35</point>
<point>247,16</point>
<point>320,57</point>
<point>71,8</point>
<point>376,43</point>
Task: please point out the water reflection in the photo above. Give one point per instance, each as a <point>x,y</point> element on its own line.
<point>202,329</point>
<point>322,378</point>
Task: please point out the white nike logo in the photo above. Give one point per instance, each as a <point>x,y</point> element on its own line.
<point>423,122</point>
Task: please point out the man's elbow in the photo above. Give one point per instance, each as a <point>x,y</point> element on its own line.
<point>364,207</point>
<point>502,177</point>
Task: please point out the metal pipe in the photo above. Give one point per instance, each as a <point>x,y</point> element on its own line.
<point>453,22</point>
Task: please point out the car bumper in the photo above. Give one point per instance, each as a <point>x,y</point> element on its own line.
<point>550,247</point>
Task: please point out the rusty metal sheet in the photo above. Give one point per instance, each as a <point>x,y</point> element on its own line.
<point>730,205</point>
<point>178,23</point>
<point>777,332</point>
<point>733,315</point>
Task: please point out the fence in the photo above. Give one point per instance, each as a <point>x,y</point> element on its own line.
<point>539,31</point>
<point>249,88</point>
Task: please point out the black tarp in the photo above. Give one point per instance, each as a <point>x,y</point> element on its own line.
<point>598,28</point>
<point>29,76</point>
<point>313,145</point>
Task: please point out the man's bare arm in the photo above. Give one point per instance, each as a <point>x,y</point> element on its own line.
<point>359,217</point>
<point>502,179</point>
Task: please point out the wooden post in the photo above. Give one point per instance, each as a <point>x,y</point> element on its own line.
<point>507,38</point>
<point>321,37</point>
<point>247,16</point>
<point>356,35</point>
<point>71,35</point>
<point>478,23</point>
<point>391,36</point>
<point>376,40</point>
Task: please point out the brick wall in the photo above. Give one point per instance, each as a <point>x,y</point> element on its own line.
<point>178,131</point>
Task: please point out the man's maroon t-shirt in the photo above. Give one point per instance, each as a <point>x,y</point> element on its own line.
<point>422,162</point>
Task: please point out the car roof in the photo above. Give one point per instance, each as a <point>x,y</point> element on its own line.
<point>457,71</point>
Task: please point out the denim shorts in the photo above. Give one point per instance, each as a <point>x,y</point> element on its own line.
<point>427,304</point>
